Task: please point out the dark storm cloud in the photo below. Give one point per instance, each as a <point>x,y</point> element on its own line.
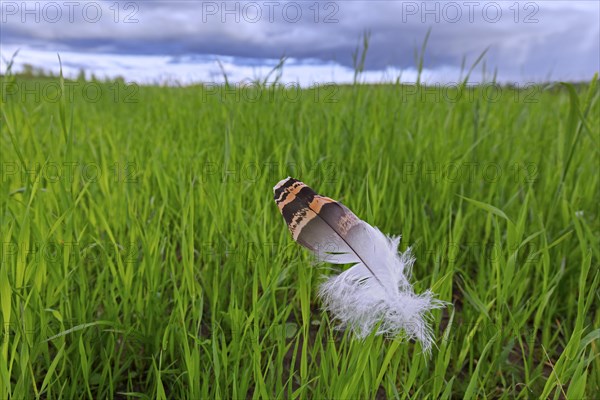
<point>531,39</point>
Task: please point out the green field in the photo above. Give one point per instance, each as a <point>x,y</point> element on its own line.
<point>143,255</point>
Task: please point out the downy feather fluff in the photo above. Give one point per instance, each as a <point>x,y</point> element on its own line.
<point>375,291</point>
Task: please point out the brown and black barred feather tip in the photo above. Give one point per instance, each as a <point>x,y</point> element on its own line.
<point>375,289</point>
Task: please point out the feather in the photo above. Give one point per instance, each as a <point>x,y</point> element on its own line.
<point>375,291</point>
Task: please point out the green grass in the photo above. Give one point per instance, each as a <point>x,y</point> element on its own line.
<point>143,255</point>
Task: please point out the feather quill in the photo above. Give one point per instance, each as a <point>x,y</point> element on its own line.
<point>375,292</point>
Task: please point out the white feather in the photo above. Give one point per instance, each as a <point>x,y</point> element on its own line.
<point>360,300</point>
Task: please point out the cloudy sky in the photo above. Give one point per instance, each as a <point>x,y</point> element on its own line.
<point>182,42</point>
